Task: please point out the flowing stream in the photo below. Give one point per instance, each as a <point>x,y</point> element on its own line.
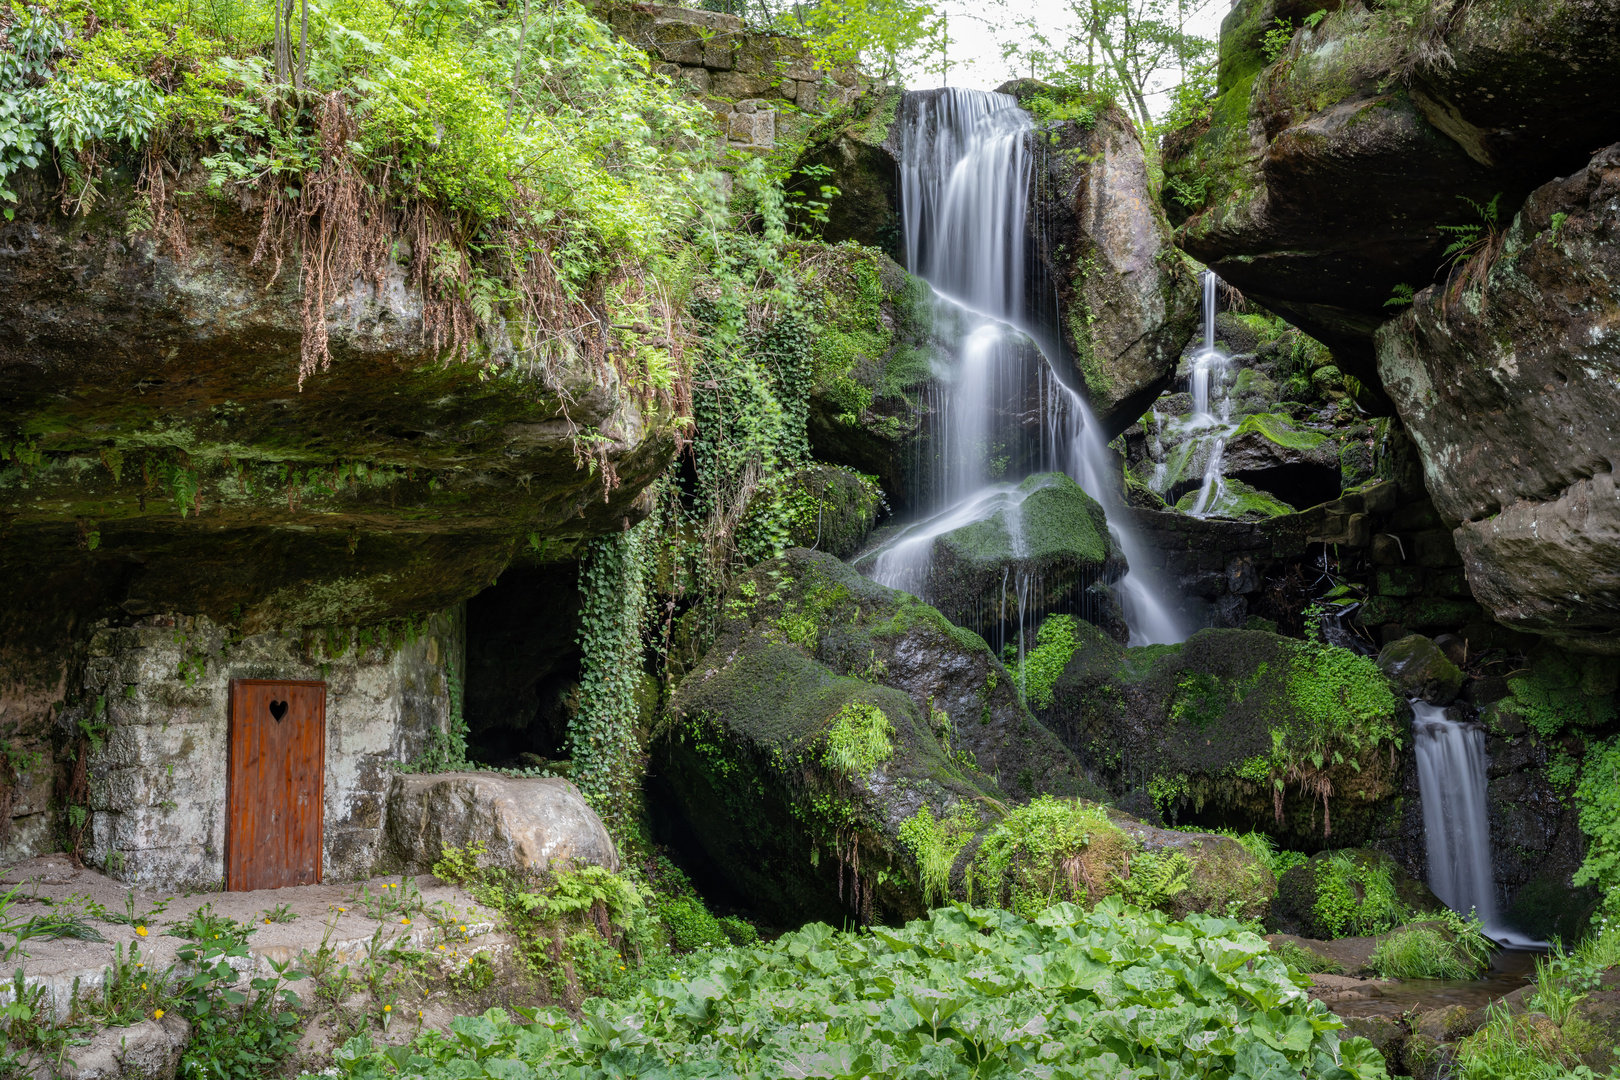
<point>1456,818</point>
<point>1003,414</point>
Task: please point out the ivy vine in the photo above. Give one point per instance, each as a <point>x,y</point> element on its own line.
<point>613,580</point>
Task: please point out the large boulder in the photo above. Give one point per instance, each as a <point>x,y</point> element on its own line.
<point>841,749</point>
<point>1234,727</point>
<point>1317,184</point>
<point>1126,302</point>
<point>1509,389</point>
<point>1030,549</point>
<point>858,152</point>
<point>522,824</point>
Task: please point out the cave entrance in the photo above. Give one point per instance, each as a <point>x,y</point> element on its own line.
<point>522,666</point>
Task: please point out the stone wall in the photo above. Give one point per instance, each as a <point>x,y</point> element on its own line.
<point>157,693</point>
<point>745,76</point>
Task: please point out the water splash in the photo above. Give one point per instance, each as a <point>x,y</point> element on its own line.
<point>1456,819</point>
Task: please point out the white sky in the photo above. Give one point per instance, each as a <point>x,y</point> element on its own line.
<point>981,28</point>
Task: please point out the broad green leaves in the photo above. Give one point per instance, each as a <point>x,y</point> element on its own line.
<point>968,992</point>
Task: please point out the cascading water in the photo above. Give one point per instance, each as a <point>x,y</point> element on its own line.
<point>1456,821</point>
<point>966,169</point>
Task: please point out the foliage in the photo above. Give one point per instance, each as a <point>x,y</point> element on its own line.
<point>1048,849</point>
<point>1598,796</point>
<point>1055,643</point>
<point>936,842</point>
<point>602,733</point>
<point>235,1035</point>
<point>858,740</point>
<point>1455,948</point>
<point>1354,898</point>
<point>1115,993</point>
<point>881,36</point>
<point>1304,960</point>
<point>692,926</point>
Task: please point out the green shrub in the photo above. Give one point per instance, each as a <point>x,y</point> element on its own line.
<point>1356,899</point>
<point>1111,993</point>
<point>690,924</point>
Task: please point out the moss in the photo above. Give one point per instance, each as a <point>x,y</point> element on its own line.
<point>1348,893</point>
<point>1237,501</point>
<point>858,740</point>
<point>1276,428</point>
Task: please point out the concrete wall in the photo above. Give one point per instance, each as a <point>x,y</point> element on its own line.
<point>159,691</point>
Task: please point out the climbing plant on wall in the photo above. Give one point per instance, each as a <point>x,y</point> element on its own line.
<point>613,579</point>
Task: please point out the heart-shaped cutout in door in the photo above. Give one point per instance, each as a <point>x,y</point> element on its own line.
<point>278,709</point>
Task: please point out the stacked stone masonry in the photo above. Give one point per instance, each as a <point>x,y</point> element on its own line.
<point>744,75</point>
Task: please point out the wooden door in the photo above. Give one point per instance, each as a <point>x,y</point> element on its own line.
<point>277,784</point>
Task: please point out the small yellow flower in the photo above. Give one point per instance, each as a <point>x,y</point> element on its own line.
<point>405,922</point>
<point>157,1014</point>
<point>388,1008</point>
<point>140,931</point>
<point>441,948</point>
<point>143,986</point>
<point>267,922</point>
<point>463,929</point>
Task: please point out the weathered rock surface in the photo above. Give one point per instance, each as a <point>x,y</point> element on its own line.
<point>149,1050</point>
<point>861,150</point>
<point>841,749</point>
<point>523,824</point>
<point>1205,729</point>
<point>1128,303</point>
<point>1511,391</point>
<point>1318,183</point>
<point>1416,667</point>
<point>158,443</point>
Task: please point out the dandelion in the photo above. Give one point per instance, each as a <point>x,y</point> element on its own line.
<point>404,922</point>
<point>441,948</point>
<point>140,931</point>
<point>388,1008</point>
<point>157,1014</point>
<point>143,986</point>
<point>463,929</point>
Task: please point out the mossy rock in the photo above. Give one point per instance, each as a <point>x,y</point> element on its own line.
<point>825,507</point>
<point>1236,501</point>
<point>1049,547</point>
<point>1349,893</point>
<point>1235,727</point>
<point>842,750</point>
<point>1416,667</point>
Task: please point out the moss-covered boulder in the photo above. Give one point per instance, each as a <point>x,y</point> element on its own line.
<point>1294,464</point>
<point>841,748</point>
<point>856,150</point>
<point>822,507</point>
<point>1348,893</point>
<point>1234,727</point>
<point>1234,500</point>
<point>1416,667</point>
<point>1035,548</point>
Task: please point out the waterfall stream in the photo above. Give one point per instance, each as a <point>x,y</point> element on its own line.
<point>1456,818</point>
<point>965,176</point>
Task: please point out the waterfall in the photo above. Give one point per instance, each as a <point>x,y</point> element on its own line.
<point>965,178</point>
<point>1456,819</point>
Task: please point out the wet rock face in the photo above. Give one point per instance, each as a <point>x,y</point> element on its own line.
<point>1127,304</point>
<point>1207,727</point>
<point>1510,392</point>
<point>157,437</point>
<point>1318,184</point>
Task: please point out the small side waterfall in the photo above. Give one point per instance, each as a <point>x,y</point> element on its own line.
<point>1456,819</point>
<point>965,175</point>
